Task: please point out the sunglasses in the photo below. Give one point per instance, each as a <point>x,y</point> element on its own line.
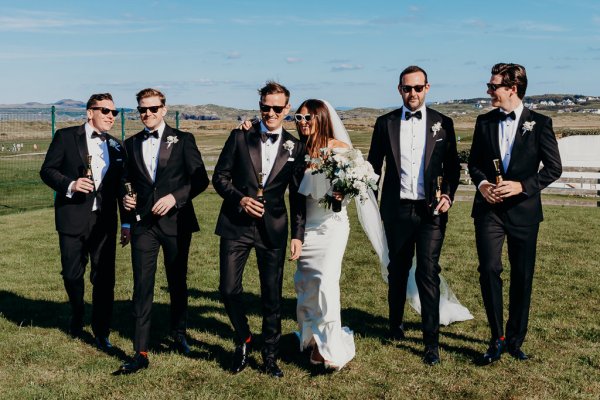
<point>265,108</point>
<point>408,88</point>
<point>105,111</point>
<point>495,86</point>
<point>303,117</point>
<point>153,109</point>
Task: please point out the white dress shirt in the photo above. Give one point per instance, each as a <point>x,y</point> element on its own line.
<point>412,155</point>
<point>150,151</point>
<point>508,131</point>
<point>268,152</point>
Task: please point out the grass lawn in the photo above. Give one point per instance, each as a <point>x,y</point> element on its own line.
<point>39,360</point>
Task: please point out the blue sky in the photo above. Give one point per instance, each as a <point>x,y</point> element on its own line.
<point>348,52</point>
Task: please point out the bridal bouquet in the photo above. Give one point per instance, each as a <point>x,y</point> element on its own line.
<point>348,172</point>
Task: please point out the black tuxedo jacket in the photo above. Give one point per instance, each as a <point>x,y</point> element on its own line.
<point>65,162</point>
<point>236,176</point>
<point>441,158</point>
<point>180,172</point>
<point>529,148</point>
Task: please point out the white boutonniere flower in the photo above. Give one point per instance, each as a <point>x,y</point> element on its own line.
<point>289,146</point>
<point>436,128</point>
<point>171,140</point>
<point>527,127</point>
<point>114,144</point>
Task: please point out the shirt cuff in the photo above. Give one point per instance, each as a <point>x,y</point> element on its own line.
<point>482,182</point>
<point>447,198</point>
<point>125,226</point>
<point>69,190</point>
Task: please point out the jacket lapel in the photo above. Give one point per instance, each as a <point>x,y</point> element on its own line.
<point>82,145</point>
<point>164,153</point>
<point>138,155</point>
<point>519,142</point>
<point>429,139</point>
<point>282,156</point>
<point>494,134</point>
<point>394,137</point>
<point>253,143</point>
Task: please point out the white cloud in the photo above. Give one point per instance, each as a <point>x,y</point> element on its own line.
<point>233,55</point>
<point>346,67</point>
<point>293,60</point>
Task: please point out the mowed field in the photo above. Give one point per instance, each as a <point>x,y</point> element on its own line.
<point>39,360</point>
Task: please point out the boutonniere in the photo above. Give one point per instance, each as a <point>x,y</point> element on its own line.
<point>114,144</point>
<point>527,127</point>
<point>289,146</point>
<point>436,128</point>
<point>171,140</point>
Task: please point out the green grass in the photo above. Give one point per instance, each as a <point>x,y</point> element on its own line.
<point>39,360</point>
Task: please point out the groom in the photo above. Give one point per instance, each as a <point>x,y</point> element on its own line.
<point>418,145</point>
<point>264,159</point>
<point>519,139</point>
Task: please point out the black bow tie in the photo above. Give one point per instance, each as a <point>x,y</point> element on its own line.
<point>101,136</point>
<point>504,116</point>
<point>147,134</point>
<point>264,136</point>
<point>408,115</point>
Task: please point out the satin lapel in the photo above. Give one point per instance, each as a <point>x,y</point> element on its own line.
<point>429,139</point>
<point>253,143</point>
<point>82,145</point>
<point>112,155</point>
<point>282,157</point>
<point>138,155</point>
<point>494,134</point>
<point>165,151</point>
<point>519,142</point>
<point>393,126</point>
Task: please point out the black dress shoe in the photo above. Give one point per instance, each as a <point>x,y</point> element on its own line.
<point>139,362</point>
<point>241,356</point>
<point>181,345</point>
<point>102,343</point>
<point>518,354</point>
<point>397,333</point>
<point>494,351</point>
<point>271,368</point>
<point>432,355</point>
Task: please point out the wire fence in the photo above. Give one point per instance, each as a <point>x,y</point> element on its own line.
<point>25,135</point>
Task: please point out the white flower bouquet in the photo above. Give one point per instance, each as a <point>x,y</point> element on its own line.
<point>348,173</point>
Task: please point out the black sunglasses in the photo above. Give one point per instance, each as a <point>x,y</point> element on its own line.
<point>105,110</point>
<point>408,88</point>
<point>305,117</point>
<point>495,86</point>
<point>265,108</point>
<point>153,109</point>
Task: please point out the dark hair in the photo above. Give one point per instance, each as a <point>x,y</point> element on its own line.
<point>95,98</point>
<point>149,92</point>
<point>512,75</point>
<point>410,70</point>
<point>272,87</point>
<point>322,123</point>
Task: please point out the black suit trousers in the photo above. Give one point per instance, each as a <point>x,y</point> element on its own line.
<point>490,230</point>
<point>98,244</point>
<point>233,257</point>
<point>414,228</point>
<point>145,246</point>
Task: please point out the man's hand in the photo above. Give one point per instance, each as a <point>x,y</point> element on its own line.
<point>83,185</point>
<point>253,208</point>
<point>164,205</point>
<point>507,189</point>
<point>125,236</point>
<point>487,191</point>
<point>444,204</point>
<point>245,126</point>
<point>295,249</point>
<point>129,202</point>
<point>339,196</point>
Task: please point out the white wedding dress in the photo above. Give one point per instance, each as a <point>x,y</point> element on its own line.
<point>317,277</point>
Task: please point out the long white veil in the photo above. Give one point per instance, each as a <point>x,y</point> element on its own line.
<point>368,215</point>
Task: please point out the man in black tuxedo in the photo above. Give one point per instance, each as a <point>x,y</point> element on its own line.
<point>519,139</point>
<point>268,159</point>
<point>86,211</point>
<point>418,145</point>
<point>166,171</point>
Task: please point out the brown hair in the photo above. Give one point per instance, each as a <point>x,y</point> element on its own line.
<point>322,123</point>
<point>512,75</point>
<point>411,70</point>
<point>272,87</point>
<point>95,98</point>
<point>149,92</point>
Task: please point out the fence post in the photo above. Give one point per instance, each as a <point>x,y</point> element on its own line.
<point>122,125</point>
<point>53,112</point>
<point>177,119</point>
